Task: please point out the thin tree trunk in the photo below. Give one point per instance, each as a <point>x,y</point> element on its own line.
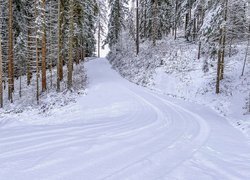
<point>29,55</point>
<point>199,51</point>
<point>1,72</point>
<point>145,22</point>
<point>154,30</point>
<point>37,63</point>
<point>1,63</point>
<point>224,41</point>
<point>10,54</point>
<point>20,85</point>
<point>37,73</point>
<point>219,65</point>
<point>137,27</point>
<point>50,49</point>
<point>60,45</point>
<point>186,21</point>
<point>186,25</point>
<point>71,38</point>
<point>82,49</point>
<point>175,23</point>
<point>99,37</point>
<point>44,84</point>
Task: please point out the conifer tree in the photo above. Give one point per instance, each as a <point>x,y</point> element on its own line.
<point>118,10</point>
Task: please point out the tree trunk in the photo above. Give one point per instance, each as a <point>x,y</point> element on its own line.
<point>224,40</point>
<point>44,84</point>
<point>60,45</point>
<point>199,51</point>
<point>1,73</point>
<point>219,64</point>
<point>50,48</point>
<point>71,39</point>
<point>1,63</point>
<point>29,56</point>
<point>137,27</point>
<point>99,37</point>
<point>20,85</point>
<point>175,23</point>
<point>186,21</point>
<point>37,63</point>
<point>154,23</point>
<point>186,25</point>
<point>145,22</point>
<point>10,54</point>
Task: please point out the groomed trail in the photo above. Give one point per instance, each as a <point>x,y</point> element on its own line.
<point>121,131</point>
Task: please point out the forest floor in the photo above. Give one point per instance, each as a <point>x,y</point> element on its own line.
<point>123,131</point>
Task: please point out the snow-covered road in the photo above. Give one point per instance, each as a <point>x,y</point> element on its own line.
<point>123,131</point>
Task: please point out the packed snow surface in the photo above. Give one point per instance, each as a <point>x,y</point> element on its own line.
<point>123,131</point>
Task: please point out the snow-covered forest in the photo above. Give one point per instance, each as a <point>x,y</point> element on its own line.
<point>195,50</point>
<point>171,99</point>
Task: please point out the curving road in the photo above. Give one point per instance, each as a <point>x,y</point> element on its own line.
<point>122,131</point>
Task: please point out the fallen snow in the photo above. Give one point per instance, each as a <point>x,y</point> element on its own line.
<point>172,68</point>
<point>123,131</point>
<point>25,108</point>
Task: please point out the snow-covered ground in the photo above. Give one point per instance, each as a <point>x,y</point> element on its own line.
<point>26,106</point>
<point>123,131</point>
<point>172,68</point>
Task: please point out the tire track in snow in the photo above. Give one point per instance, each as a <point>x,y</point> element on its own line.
<point>147,141</point>
<point>139,167</point>
<point>115,156</point>
<point>88,130</point>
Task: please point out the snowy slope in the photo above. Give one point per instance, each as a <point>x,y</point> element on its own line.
<point>123,131</point>
<point>47,100</point>
<point>172,68</point>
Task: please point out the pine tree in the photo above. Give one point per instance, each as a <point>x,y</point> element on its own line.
<point>118,10</point>
<point>39,35</point>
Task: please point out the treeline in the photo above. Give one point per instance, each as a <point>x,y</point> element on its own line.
<point>214,25</point>
<point>38,35</point>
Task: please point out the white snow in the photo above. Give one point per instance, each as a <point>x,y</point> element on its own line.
<point>172,68</point>
<point>122,131</point>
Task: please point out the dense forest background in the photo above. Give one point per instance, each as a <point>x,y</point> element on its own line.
<point>192,49</point>
<point>43,43</point>
<point>37,36</point>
